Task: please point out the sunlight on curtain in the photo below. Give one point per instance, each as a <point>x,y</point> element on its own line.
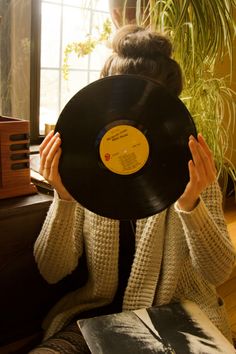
<point>15,58</point>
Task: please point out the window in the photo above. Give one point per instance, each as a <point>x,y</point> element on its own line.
<point>64,22</point>
<point>33,37</point>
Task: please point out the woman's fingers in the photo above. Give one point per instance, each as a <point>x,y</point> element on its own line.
<point>207,151</point>
<point>197,158</point>
<point>52,172</point>
<point>193,176</point>
<point>51,150</point>
<point>50,167</point>
<point>55,179</point>
<point>47,153</point>
<point>203,160</point>
<point>50,153</point>
<point>200,160</point>
<point>55,161</point>
<point>201,173</point>
<point>46,141</point>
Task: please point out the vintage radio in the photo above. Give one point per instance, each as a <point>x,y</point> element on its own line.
<point>14,158</point>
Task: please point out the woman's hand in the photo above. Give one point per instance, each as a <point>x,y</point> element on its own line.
<point>202,173</point>
<point>50,153</point>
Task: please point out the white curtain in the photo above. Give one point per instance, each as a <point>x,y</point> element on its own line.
<point>15,68</point>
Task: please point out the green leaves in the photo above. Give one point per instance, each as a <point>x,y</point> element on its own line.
<point>203,27</point>
<point>85,47</point>
<point>202,33</point>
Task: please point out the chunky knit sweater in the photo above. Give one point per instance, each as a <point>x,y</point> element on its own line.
<point>178,255</point>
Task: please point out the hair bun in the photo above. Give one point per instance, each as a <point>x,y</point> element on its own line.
<point>132,41</point>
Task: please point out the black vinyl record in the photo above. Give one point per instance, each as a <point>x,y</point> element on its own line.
<point>125,147</point>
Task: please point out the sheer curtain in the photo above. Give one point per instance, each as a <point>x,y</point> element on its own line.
<point>0,70</point>
<point>15,35</point>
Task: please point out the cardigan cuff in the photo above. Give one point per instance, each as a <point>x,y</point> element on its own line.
<point>64,207</point>
<point>195,217</point>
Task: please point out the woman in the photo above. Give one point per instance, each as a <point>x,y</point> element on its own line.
<point>183,252</point>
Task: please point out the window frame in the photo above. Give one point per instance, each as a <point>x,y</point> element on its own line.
<point>35,71</point>
<point>35,61</point>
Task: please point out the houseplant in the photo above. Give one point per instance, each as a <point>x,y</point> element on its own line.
<point>202,34</point>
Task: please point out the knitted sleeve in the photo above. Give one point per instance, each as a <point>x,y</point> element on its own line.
<point>60,244</point>
<point>210,247</point>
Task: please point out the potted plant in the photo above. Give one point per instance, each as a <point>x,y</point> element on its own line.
<point>202,34</point>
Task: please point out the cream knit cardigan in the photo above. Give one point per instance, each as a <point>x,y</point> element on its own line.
<point>179,255</point>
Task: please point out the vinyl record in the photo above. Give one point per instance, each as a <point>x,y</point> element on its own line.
<point>125,147</point>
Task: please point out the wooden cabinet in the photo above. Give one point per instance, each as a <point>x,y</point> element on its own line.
<point>21,219</point>
<point>25,297</point>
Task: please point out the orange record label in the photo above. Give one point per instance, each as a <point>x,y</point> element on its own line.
<point>124,149</point>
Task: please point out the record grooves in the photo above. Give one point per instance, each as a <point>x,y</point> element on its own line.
<point>125,147</point>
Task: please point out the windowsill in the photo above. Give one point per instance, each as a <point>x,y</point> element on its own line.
<point>34,149</point>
